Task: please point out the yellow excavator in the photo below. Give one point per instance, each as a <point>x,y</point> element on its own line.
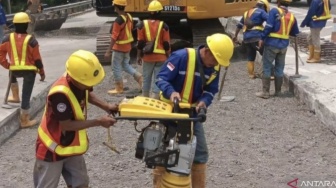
<point>188,20</point>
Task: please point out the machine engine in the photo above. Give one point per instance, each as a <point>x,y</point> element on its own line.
<point>157,146</point>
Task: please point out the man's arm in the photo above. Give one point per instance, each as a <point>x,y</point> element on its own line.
<point>109,108</point>
<point>210,91</point>
<point>166,39</point>
<point>63,112</point>
<point>168,73</point>
<point>311,12</point>
<point>3,52</point>
<point>35,51</point>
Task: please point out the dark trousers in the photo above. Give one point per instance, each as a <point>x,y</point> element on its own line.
<point>252,48</point>
<point>27,87</point>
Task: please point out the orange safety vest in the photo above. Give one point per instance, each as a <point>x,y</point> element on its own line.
<point>248,14</point>
<point>186,94</point>
<point>326,13</point>
<point>149,38</point>
<point>286,24</point>
<point>20,64</point>
<point>80,142</point>
<point>128,29</point>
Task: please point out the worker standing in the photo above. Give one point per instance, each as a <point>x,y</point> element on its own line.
<point>280,25</point>
<point>24,61</point>
<point>62,136</point>
<point>121,39</point>
<point>316,19</point>
<point>192,76</point>
<point>154,44</point>
<point>252,25</point>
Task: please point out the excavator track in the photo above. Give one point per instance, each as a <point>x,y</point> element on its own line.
<point>203,28</point>
<point>102,42</point>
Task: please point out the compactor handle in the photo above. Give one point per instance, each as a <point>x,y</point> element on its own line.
<point>202,115</point>
<point>176,107</point>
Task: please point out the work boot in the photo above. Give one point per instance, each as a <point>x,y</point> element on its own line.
<point>317,56</point>
<point>157,176</point>
<point>311,52</point>
<point>138,77</point>
<point>25,119</point>
<point>119,88</point>
<point>198,175</point>
<point>15,98</point>
<point>277,85</point>
<point>266,81</point>
<point>250,69</point>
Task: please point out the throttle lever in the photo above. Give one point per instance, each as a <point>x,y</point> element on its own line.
<point>202,114</point>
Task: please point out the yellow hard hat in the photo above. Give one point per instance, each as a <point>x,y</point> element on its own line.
<point>155,6</point>
<point>84,67</point>
<point>265,2</point>
<point>221,47</point>
<point>21,17</point>
<point>120,2</point>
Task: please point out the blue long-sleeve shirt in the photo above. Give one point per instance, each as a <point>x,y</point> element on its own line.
<point>173,73</point>
<point>258,17</point>
<point>273,25</point>
<point>3,18</point>
<point>316,9</point>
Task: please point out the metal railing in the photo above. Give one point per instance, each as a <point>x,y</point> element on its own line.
<point>68,8</point>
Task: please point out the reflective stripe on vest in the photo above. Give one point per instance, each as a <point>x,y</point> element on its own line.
<point>257,27</point>
<point>127,30</point>
<point>149,37</point>
<point>326,12</point>
<point>187,89</point>
<point>286,24</point>
<point>20,64</point>
<point>46,137</point>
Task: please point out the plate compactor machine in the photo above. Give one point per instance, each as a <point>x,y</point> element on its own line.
<point>168,140</point>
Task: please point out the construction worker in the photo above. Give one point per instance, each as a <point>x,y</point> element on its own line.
<point>192,76</point>
<point>252,25</point>
<point>120,44</point>
<point>62,135</point>
<point>24,61</point>
<point>316,19</point>
<point>154,43</point>
<point>275,38</point>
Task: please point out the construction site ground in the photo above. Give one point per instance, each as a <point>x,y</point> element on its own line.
<point>253,143</point>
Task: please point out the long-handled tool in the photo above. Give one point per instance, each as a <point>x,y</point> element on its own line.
<point>109,142</point>
<point>225,98</point>
<point>297,57</point>
<point>5,102</point>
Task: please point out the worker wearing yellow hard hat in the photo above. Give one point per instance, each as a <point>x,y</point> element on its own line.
<point>153,48</point>
<point>120,46</point>
<point>252,25</point>
<point>24,61</point>
<point>192,76</point>
<point>275,39</point>
<point>316,19</point>
<point>62,135</point>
